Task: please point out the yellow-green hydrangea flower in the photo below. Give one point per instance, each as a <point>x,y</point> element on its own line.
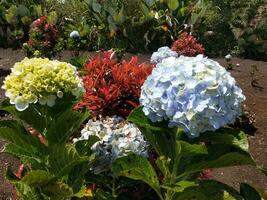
<point>41,80</point>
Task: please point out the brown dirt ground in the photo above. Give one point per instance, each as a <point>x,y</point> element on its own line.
<point>256,103</point>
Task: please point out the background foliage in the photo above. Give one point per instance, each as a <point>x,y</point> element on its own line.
<point>223,26</point>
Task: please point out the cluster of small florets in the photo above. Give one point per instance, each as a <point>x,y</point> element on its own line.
<point>162,53</point>
<point>196,94</point>
<point>41,80</point>
<point>118,138</point>
<point>187,45</point>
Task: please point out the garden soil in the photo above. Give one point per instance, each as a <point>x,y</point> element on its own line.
<point>256,103</point>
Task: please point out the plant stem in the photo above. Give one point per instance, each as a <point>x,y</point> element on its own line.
<point>114,187</point>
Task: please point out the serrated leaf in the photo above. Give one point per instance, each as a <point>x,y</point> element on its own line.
<point>137,168</point>
<point>62,159</point>
<point>37,178</point>
<point>26,192</point>
<point>20,143</point>
<point>64,126</point>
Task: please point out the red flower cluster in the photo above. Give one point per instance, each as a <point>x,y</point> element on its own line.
<point>187,45</point>
<point>43,36</point>
<point>113,88</point>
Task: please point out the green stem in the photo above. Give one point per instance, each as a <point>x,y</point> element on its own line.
<point>114,187</point>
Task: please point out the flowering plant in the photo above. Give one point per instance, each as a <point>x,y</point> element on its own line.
<point>113,88</point>
<point>41,94</point>
<point>42,38</point>
<point>185,104</point>
<point>187,45</point>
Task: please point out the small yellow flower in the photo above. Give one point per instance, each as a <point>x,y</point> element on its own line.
<point>164,28</point>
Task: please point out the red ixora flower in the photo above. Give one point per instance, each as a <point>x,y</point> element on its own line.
<point>187,45</point>
<point>113,88</point>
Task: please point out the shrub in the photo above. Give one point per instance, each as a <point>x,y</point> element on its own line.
<point>43,38</point>
<point>187,45</point>
<point>113,88</point>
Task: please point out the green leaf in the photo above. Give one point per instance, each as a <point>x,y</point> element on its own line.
<point>188,149</point>
<point>228,136</point>
<point>96,6</point>
<point>99,194</point>
<point>20,143</point>
<point>22,10</point>
<point>37,178</point>
<point>163,164</point>
<point>26,192</point>
<point>173,4</point>
<point>137,168</point>
<point>138,117</point>
<point>63,158</point>
<point>32,115</point>
<point>226,160</point>
<point>211,190</point>
<point>65,125</point>
<point>84,146</point>
<point>150,2</point>
<point>158,135</point>
<point>58,191</point>
<point>249,192</point>
<point>180,186</point>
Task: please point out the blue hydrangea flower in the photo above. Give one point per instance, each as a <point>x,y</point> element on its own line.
<point>162,53</point>
<point>75,35</point>
<point>196,94</point>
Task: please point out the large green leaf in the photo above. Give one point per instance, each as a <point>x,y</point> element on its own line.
<point>228,136</point>
<point>32,115</point>
<point>64,126</point>
<point>37,178</point>
<point>20,143</point>
<point>63,158</point>
<point>208,190</point>
<point>226,160</point>
<point>249,192</point>
<point>137,168</point>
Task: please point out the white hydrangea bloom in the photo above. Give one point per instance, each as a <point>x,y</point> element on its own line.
<point>194,93</point>
<point>118,138</point>
<point>162,53</point>
<point>75,35</point>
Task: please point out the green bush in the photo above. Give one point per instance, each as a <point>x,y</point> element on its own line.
<point>238,27</point>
